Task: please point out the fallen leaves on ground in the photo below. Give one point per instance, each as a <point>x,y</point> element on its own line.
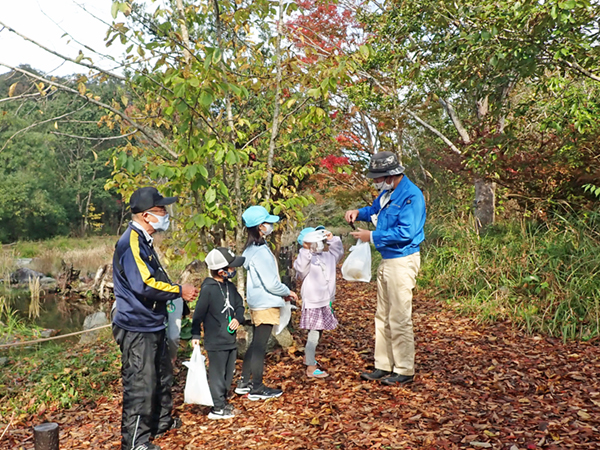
<point>475,387</point>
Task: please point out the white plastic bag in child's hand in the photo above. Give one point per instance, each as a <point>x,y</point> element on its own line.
<point>357,266</point>
<point>285,314</point>
<point>196,384</point>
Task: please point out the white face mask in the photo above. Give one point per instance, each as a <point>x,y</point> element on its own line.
<point>384,186</point>
<point>267,229</point>
<point>317,247</point>
<point>162,224</point>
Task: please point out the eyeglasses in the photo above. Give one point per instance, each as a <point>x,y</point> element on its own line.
<point>160,210</point>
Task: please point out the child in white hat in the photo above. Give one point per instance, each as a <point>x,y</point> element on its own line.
<point>220,311</point>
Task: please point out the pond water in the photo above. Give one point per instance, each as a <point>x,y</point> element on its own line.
<point>56,313</point>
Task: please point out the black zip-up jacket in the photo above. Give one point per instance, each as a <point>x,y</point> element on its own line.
<point>210,312</point>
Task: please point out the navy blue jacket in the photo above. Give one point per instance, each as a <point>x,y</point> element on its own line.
<point>142,287</point>
<point>399,229</point>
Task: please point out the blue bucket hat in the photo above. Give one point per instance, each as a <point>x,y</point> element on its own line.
<point>306,231</point>
<point>255,215</point>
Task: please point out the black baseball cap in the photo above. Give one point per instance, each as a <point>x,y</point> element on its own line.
<point>148,197</point>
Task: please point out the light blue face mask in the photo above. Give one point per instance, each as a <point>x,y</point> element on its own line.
<point>162,224</point>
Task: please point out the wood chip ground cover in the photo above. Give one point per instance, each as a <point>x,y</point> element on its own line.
<point>476,387</point>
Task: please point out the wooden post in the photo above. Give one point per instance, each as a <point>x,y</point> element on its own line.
<point>46,436</point>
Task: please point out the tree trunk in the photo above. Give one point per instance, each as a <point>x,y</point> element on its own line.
<point>484,206</point>
<point>239,231</point>
<point>87,206</point>
<point>462,131</point>
<point>122,219</point>
<point>236,201</point>
<point>184,32</point>
<point>275,125</point>
<point>483,107</point>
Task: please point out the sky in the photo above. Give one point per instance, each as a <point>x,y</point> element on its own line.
<point>46,21</point>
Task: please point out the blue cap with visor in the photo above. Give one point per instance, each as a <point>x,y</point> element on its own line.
<point>255,215</point>
<point>305,231</point>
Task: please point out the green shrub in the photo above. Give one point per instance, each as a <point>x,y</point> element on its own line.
<point>542,275</point>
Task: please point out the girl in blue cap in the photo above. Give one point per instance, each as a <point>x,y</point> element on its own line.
<point>265,295</point>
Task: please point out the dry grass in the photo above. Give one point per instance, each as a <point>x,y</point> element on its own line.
<point>86,258</point>
<point>35,290</point>
<point>7,264</point>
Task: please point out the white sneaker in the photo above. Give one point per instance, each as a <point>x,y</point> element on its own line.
<point>225,413</point>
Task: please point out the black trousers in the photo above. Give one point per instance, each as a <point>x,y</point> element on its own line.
<point>221,366</point>
<point>147,375</point>
<point>254,360</point>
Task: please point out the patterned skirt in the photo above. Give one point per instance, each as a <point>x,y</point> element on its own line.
<point>318,319</point>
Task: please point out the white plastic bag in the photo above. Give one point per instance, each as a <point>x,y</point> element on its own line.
<point>357,266</point>
<point>196,384</point>
<point>285,314</point>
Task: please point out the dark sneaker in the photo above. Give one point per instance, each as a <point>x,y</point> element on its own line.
<point>243,387</point>
<point>375,375</point>
<point>264,393</point>
<point>147,446</point>
<point>175,423</point>
<point>224,413</point>
<point>396,379</point>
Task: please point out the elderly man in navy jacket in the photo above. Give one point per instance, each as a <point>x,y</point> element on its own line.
<point>143,293</point>
<point>398,214</point>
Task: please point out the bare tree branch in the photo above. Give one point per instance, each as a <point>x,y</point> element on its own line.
<point>39,123</point>
<point>109,138</point>
<point>66,58</point>
<point>456,121</point>
<point>575,65</point>
<point>149,133</point>
<point>435,131</point>
<point>19,97</point>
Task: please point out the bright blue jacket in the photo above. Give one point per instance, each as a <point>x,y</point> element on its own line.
<point>400,223</point>
<point>263,285</point>
<point>142,287</point>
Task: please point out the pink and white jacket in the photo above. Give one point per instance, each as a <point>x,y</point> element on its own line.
<point>317,270</point>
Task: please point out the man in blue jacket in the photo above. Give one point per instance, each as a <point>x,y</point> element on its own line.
<point>143,293</point>
<point>398,214</point>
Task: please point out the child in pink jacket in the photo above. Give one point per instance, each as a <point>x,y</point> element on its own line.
<point>315,266</point>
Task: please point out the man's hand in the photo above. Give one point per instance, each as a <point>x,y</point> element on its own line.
<point>363,235</point>
<point>351,216</point>
<point>189,293</point>
<point>195,342</point>
<point>234,324</point>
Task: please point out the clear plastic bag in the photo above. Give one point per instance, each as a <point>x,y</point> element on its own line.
<point>357,266</point>
<point>196,384</point>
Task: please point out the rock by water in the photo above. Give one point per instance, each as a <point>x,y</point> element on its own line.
<point>93,321</point>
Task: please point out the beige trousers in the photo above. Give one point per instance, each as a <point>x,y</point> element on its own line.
<point>394,340</point>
